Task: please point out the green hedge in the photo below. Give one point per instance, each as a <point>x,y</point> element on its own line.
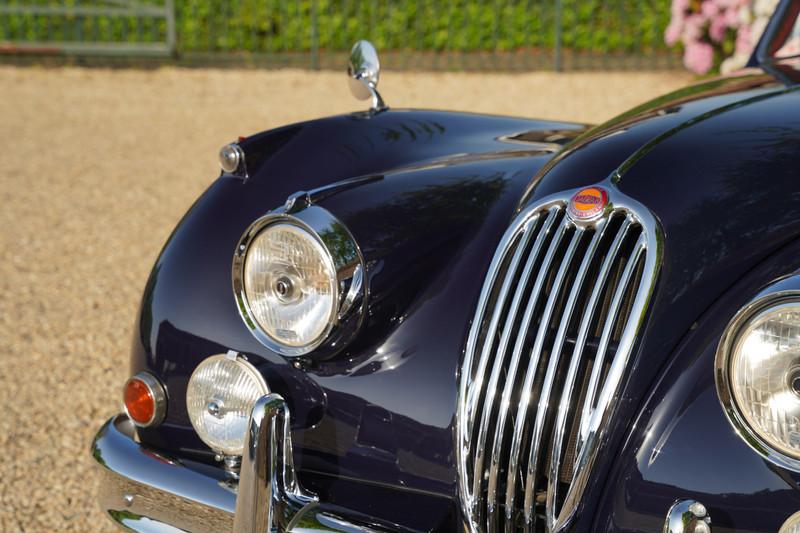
<point>263,26</point>
<point>461,25</point>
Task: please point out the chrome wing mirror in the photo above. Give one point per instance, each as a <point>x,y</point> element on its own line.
<point>364,70</point>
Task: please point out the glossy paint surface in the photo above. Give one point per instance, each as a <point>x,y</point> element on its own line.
<point>715,163</point>
<point>381,411</point>
<point>682,446</point>
<point>719,175</point>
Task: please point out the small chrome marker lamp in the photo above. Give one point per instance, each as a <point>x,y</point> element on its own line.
<point>231,160</point>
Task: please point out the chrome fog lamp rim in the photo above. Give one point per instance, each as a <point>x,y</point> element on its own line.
<point>347,263</point>
<point>764,304</point>
<point>242,365</point>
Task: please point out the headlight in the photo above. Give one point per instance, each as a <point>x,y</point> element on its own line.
<point>290,285</point>
<point>219,398</point>
<point>758,377</point>
<point>792,524</point>
<point>295,278</point>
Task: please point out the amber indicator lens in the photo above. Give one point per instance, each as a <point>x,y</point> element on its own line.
<point>139,401</point>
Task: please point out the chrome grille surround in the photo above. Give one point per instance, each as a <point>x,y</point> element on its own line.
<point>563,294</point>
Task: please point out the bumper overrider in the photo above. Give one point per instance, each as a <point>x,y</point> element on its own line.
<point>146,490</point>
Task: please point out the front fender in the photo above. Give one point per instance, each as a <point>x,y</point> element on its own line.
<point>681,445</point>
<point>442,188</point>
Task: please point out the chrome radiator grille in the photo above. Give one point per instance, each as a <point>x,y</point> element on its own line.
<point>556,322</point>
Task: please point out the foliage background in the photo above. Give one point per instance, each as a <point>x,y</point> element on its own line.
<point>465,25</point>
<point>277,26</point>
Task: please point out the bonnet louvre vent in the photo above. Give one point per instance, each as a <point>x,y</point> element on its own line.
<point>549,343</point>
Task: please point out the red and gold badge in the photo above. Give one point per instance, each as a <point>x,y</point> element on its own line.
<point>588,203</point>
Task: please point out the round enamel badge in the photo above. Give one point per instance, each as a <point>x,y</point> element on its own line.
<point>588,203</point>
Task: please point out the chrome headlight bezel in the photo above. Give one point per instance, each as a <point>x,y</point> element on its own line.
<point>348,264</point>
<point>784,292</point>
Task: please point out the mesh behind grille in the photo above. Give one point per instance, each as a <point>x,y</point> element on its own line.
<point>551,336</point>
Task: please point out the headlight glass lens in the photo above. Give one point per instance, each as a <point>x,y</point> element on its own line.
<point>792,524</point>
<point>765,376</point>
<point>290,285</point>
<point>219,399</point>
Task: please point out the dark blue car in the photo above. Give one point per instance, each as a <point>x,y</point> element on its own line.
<point>401,320</point>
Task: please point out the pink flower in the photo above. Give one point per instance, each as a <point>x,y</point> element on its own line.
<point>716,29</point>
<point>698,57</point>
<point>744,41</point>
<point>673,32</point>
<point>709,9</point>
<point>679,7</point>
<point>703,28</point>
<point>732,17</point>
<point>693,28</point>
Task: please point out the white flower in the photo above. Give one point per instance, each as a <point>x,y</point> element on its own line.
<point>759,25</point>
<point>733,63</point>
<point>764,8</point>
<point>745,15</point>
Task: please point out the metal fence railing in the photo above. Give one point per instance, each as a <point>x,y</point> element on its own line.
<point>507,35</point>
<point>111,27</point>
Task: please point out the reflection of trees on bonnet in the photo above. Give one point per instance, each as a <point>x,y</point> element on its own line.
<point>773,206</point>
<point>417,130</point>
<point>671,102</point>
<point>702,117</point>
<point>339,244</point>
<point>423,211</point>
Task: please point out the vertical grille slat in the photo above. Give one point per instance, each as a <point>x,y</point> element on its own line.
<point>555,361</point>
<point>577,354</point>
<point>475,392</point>
<point>485,417</point>
<point>544,392</point>
<point>594,380</point>
<point>569,297</point>
<point>532,259</point>
<point>526,391</point>
<point>466,380</point>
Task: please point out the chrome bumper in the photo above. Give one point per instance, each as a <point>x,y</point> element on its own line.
<point>145,490</point>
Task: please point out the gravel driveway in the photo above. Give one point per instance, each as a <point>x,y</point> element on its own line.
<point>96,167</point>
